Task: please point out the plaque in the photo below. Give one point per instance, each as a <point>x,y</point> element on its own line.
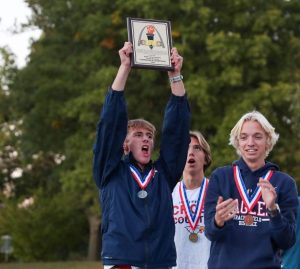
<point>151,41</point>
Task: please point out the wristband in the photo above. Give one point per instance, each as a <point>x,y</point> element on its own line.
<point>273,213</point>
<point>176,79</point>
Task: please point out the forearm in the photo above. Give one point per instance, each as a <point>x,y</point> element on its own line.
<point>176,82</point>
<point>121,78</point>
<point>178,88</point>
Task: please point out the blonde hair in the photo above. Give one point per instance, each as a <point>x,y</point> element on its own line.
<point>141,123</point>
<point>272,137</point>
<point>205,147</point>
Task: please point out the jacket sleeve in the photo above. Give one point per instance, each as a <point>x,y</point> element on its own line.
<point>213,232</point>
<point>283,226</point>
<point>175,137</point>
<point>111,132</point>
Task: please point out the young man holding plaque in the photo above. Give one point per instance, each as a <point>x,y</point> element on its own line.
<point>250,206</point>
<point>188,202</point>
<point>135,192</point>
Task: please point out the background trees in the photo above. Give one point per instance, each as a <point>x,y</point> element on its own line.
<point>238,56</point>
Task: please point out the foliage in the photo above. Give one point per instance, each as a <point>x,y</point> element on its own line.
<point>238,56</point>
<point>46,225</point>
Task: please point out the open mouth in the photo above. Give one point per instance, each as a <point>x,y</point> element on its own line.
<point>145,149</point>
<point>191,161</point>
<point>250,150</point>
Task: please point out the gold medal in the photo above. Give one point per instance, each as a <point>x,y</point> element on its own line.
<point>193,237</point>
<point>248,220</point>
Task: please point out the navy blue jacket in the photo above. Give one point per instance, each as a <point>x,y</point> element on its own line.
<point>138,232</point>
<point>237,245</point>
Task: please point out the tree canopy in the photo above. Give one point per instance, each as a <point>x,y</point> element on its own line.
<point>239,56</point>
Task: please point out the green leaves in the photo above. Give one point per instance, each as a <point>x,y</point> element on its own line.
<point>238,56</point>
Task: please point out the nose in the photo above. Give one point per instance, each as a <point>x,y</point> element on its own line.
<point>250,141</point>
<point>191,150</point>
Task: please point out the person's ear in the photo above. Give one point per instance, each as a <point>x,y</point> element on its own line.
<point>125,148</point>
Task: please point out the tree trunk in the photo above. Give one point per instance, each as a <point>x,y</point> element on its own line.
<point>94,240</point>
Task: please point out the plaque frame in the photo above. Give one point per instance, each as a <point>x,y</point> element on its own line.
<point>151,42</point>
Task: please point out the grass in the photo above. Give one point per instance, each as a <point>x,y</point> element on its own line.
<point>52,265</point>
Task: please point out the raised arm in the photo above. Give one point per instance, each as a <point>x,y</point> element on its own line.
<point>112,127</point>
<point>177,86</point>
<point>124,69</point>
<point>176,126</point>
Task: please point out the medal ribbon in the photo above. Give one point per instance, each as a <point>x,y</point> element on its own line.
<point>193,218</point>
<point>249,200</point>
<point>142,181</point>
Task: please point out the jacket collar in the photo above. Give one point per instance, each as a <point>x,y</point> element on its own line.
<point>130,160</point>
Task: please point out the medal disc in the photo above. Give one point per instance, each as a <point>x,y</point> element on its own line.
<point>248,220</point>
<point>142,194</point>
<point>193,237</point>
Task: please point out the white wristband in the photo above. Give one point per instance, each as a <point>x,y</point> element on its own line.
<point>176,79</point>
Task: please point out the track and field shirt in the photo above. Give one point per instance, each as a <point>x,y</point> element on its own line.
<point>190,255</point>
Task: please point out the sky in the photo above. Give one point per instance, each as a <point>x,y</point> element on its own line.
<point>12,14</point>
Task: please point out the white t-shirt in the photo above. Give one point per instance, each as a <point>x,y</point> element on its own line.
<point>190,255</point>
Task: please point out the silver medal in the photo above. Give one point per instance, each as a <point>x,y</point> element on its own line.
<point>142,194</point>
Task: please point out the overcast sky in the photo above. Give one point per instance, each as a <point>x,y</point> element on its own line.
<point>12,14</point>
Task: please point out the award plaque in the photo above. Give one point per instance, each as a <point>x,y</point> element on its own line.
<point>152,43</point>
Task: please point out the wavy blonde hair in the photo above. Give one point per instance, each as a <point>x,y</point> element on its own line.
<point>272,136</point>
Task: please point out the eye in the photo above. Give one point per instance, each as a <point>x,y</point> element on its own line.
<point>243,137</point>
<point>150,136</point>
<point>197,148</point>
<point>258,136</point>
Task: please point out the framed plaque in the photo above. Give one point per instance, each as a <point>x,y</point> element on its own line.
<point>152,43</point>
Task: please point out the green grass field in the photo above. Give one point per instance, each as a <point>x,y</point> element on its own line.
<point>52,265</point>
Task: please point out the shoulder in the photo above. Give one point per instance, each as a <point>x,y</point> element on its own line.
<point>176,188</point>
<point>222,170</point>
<point>283,178</point>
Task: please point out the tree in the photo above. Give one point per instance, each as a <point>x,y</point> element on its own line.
<point>235,60</point>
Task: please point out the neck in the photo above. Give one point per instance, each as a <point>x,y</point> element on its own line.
<point>193,181</point>
<point>255,165</point>
<point>142,166</point>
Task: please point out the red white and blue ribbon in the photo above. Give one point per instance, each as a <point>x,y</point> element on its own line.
<point>249,200</point>
<point>142,181</point>
<point>193,218</point>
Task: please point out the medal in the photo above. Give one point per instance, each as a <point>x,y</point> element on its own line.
<point>142,194</point>
<point>142,181</point>
<point>248,219</point>
<point>250,201</point>
<point>193,237</point>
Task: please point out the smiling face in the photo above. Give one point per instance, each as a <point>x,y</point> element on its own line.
<point>140,142</point>
<point>252,144</point>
